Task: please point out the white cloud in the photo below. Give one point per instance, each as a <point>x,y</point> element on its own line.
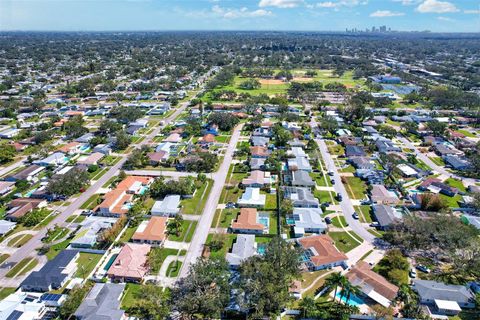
<point>328,4</point>
<point>340,3</point>
<point>244,12</point>
<point>471,11</point>
<point>435,6</point>
<point>408,2</point>
<point>280,3</point>
<point>444,19</point>
<point>386,13</point>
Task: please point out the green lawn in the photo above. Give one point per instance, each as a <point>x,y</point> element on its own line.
<point>76,219</point>
<point>3,257</point>
<point>196,204</point>
<point>86,263</point>
<point>56,234</point>
<point>174,268</point>
<point>91,202</point>
<point>18,241</point>
<point>456,184</point>
<point>127,234</point>
<point>467,133</point>
<point>336,150</point>
<point>230,194</point>
<point>268,89</point>
<point>364,213</point>
<point>223,218</point>
<point>451,202</point>
<point>356,188</point>
<point>223,139</point>
<point>109,182</point>
<point>158,255</point>
<point>229,238</point>
<point>5,292</point>
<point>56,248</point>
<point>323,196</point>
<point>188,229</point>
<point>438,161</point>
<point>339,221</point>
<point>271,202</point>
<point>130,295</point>
<point>343,241</point>
<point>349,168</point>
<point>22,267</point>
<point>273,223</point>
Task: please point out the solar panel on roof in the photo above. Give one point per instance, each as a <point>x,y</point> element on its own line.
<point>15,315</point>
<point>50,297</point>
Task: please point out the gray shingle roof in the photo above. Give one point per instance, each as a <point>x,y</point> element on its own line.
<point>431,290</point>
<point>102,303</point>
<point>243,248</point>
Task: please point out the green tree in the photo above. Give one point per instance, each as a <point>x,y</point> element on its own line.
<point>205,293</point>
<point>151,303</point>
<point>69,183</point>
<point>8,154</point>
<point>74,127</point>
<point>74,299</point>
<point>122,140</point>
<point>335,280</point>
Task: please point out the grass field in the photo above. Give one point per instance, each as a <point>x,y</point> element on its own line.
<point>456,184</point>
<point>57,234</point>
<point>438,161</point>
<point>75,219</point>
<point>229,239</point>
<point>188,229</point>
<point>3,257</point>
<point>467,133</point>
<point>271,202</point>
<point>174,268</point>
<point>339,221</point>
<point>364,213</point>
<point>158,255</point>
<point>343,241</point>
<point>356,188</point>
<point>91,202</point>
<point>22,267</point>
<point>5,292</point>
<point>451,202</point>
<point>197,202</point>
<point>18,241</point>
<point>56,248</point>
<point>128,234</point>
<point>86,263</point>
<point>223,218</point>
<point>130,295</point>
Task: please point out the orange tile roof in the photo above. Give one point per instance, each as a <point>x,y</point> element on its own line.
<point>128,182</point>
<point>247,220</point>
<point>114,201</point>
<point>325,248</point>
<point>131,262</point>
<point>153,231</point>
<point>66,148</point>
<point>361,275</point>
<point>259,151</point>
<point>208,138</point>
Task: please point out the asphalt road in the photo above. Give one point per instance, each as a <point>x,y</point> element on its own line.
<point>345,204</point>
<point>28,249</point>
<point>159,172</point>
<point>203,226</point>
<point>9,168</point>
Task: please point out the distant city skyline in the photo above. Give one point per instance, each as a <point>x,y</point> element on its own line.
<point>282,15</point>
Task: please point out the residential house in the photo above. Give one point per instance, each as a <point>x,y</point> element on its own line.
<point>252,198</point>
<point>296,143</point>
<point>444,150</point>
<point>259,141</point>
<point>301,197</point>
<point>91,228</point>
<point>131,264</point>
<point>302,179</point>
<point>19,207</point>
<point>91,159</point>
<point>6,187</point>
<point>259,152</point>
<point>6,226</point>
<point>151,231</point>
<point>54,274</point>
<point>243,248</point>
<point>437,186</point>
<point>55,159</point>
<point>173,138</point>
<point>371,176</point>
<point>298,152</point>
<point>443,299</point>
<point>457,163</point>
<point>156,158</point>
<point>168,207</point>
<point>207,139</point>
<point>386,215</point>
<point>102,302</point>
<point>299,163</point>
<point>103,148</point>
<point>257,164</point>
<point>132,130</point>
<point>385,146</point>
<point>85,138</point>
<point>407,170</point>
<point>28,306</point>
<point>380,195</point>
<point>257,179</point>
<point>320,253</point>
<point>9,133</point>
<point>250,221</point>
<point>307,220</point>
<point>71,148</point>
<point>354,151</point>
<point>371,284</point>
<point>361,163</point>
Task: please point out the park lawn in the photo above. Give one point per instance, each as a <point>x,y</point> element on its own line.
<point>452,202</point>
<point>196,204</point>
<point>456,184</point>
<point>438,161</point>
<point>22,267</point>
<point>174,268</point>
<point>5,292</point>
<point>271,202</point>
<point>356,188</point>
<point>188,229</point>
<point>158,255</point>
<point>364,213</point>
<point>130,295</point>
<point>326,76</point>
<point>223,218</point>
<point>229,239</point>
<point>18,241</point>
<point>91,202</point>
<point>339,221</point>
<point>127,234</point>
<point>86,263</point>
<point>343,241</point>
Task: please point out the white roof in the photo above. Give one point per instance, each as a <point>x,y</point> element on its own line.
<point>379,298</point>
<point>169,205</point>
<point>407,170</point>
<point>447,305</point>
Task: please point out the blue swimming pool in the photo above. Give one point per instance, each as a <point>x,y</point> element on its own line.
<point>110,262</point>
<point>263,220</point>
<point>354,301</point>
<point>261,249</point>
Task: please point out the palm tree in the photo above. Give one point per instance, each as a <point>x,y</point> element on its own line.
<point>335,280</point>
<point>308,306</point>
<point>352,290</point>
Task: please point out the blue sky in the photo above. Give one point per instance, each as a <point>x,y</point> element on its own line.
<point>314,15</point>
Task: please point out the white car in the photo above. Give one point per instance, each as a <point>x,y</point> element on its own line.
<point>413,273</point>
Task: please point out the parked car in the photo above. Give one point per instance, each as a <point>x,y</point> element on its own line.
<point>413,273</point>
<point>332,181</point>
<point>339,197</point>
<point>330,173</point>
<point>230,205</point>
<point>328,220</point>
<point>423,268</point>
<point>326,204</point>
<point>355,216</point>
<point>374,224</point>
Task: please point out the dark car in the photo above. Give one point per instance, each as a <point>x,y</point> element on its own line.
<point>339,197</point>
<point>355,216</point>
<point>328,220</point>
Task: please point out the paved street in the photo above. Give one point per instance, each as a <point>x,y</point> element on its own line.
<point>159,172</point>
<point>28,249</point>
<point>203,227</point>
<point>13,166</point>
